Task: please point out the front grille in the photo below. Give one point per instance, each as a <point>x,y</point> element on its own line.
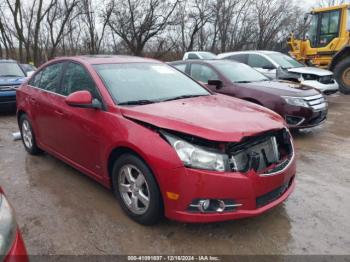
<point>267,154</point>
<point>8,88</point>
<point>273,195</point>
<point>326,79</point>
<point>317,102</point>
<point>321,116</point>
<point>6,99</point>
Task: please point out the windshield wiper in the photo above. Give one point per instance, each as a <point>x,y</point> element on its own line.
<point>10,76</point>
<point>243,82</point>
<point>137,102</point>
<point>181,97</point>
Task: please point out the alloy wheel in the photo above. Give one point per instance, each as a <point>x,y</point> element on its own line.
<point>27,134</point>
<point>134,189</point>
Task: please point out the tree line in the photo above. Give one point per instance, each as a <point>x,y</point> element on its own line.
<point>39,30</point>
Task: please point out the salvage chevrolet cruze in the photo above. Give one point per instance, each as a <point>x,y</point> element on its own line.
<point>163,143</point>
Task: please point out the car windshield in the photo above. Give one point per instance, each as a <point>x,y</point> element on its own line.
<point>208,55</point>
<point>285,61</point>
<point>239,73</point>
<point>10,70</point>
<point>144,83</point>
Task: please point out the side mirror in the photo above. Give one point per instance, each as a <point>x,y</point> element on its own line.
<point>217,83</point>
<point>83,99</point>
<point>268,67</point>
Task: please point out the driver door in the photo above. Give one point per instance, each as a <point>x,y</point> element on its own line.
<point>82,137</point>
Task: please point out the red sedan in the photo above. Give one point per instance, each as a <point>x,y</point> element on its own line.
<point>12,247</point>
<point>162,142</point>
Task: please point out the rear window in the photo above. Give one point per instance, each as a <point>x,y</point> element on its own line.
<point>242,58</point>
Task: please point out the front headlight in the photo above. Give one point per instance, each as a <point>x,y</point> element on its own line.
<point>8,227</point>
<point>198,157</point>
<point>295,101</point>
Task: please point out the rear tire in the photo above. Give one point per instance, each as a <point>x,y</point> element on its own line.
<point>342,75</point>
<point>28,136</point>
<point>136,190</point>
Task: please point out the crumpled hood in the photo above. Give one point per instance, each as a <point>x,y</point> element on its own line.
<point>11,80</point>
<point>310,70</point>
<point>282,88</point>
<point>215,117</point>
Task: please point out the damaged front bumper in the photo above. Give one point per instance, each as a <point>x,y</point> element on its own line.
<point>264,179</point>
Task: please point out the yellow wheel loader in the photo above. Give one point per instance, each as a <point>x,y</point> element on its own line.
<point>327,43</point>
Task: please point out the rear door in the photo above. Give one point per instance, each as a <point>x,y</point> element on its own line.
<point>44,104</point>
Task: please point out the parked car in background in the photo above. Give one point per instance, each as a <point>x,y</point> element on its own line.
<point>162,142</point>
<point>11,77</point>
<point>281,66</point>
<point>29,69</point>
<point>300,106</point>
<point>198,55</point>
<point>12,247</point>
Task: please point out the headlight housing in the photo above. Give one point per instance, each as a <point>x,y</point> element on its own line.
<point>199,157</point>
<point>8,227</point>
<point>295,101</point>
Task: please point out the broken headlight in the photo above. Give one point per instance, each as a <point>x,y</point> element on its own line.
<point>295,101</point>
<point>8,226</point>
<point>195,156</point>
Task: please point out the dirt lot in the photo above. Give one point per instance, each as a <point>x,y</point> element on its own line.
<point>61,211</point>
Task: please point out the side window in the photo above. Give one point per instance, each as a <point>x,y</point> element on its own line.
<point>329,27</point>
<point>76,78</point>
<point>35,81</point>
<point>192,56</point>
<point>181,67</point>
<point>203,73</point>
<point>50,78</point>
<point>259,61</point>
<point>242,58</point>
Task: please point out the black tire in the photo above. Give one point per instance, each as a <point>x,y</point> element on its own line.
<point>154,212</point>
<point>339,70</point>
<point>32,148</point>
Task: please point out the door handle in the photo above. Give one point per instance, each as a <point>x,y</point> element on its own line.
<point>32,100</point>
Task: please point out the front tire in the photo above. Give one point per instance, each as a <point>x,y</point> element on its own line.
<point>342,75</point>
<point>136,189</point>
<point>28,136</point>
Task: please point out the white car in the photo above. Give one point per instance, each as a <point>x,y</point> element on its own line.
<point>199,55</point>
<point>281,66</point>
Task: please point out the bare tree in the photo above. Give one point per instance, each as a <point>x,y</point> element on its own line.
<point>138,21</point>
<point>56,20</point>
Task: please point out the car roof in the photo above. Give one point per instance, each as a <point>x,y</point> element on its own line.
<point>203,61</point>
<point>199,52</point>
<point>250,52</point>
<point>108,59</point>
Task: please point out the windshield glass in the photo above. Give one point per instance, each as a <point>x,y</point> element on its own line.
<point>147,82</point>
<point>208,55</point>
<point>10,70</point>
<point>285,61</point>
<point>237,72</point>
